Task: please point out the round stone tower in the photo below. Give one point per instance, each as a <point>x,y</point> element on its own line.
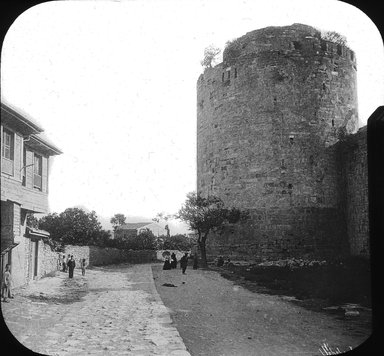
<point>268,118</point>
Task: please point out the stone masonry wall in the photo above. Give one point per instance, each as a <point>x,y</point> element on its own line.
<point>49,264</point>
<point>354,184</point>
<point>97,256</point>
<point>267,120</point>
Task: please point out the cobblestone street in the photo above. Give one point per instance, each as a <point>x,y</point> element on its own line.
<point>113,310</point>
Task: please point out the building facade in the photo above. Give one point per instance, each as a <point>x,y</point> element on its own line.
<point>273,120</point>
<point>133,229</point>
<point>25,158</point>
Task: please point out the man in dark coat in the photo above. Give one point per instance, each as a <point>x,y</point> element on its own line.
<point>184,262</point>
<point>195,261</point>
<point>71,266</point>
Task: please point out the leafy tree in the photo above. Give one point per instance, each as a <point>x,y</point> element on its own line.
<point>177,242</point>
<point>206,215</point>
<point>117,220</point>
<point>210,54</point>
<point>147,240</point>
<point>162,216</point>
<point>32,221</point>
<point>73,226</point>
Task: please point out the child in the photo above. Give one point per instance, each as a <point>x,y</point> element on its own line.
<point>82,264</point>
<point>6,284</point>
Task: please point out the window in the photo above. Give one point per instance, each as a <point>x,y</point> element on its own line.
<point>297,45</point>
<point>7,146</point>
<point>7,149</point>
<point>37,171</point>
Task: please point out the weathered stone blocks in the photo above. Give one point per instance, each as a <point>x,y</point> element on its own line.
<point>268,119</point>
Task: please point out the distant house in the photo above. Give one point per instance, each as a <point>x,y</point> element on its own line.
<point>25,158</point>
<point>133,229</point>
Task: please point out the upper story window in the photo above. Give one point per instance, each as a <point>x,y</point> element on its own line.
<point>8,144</point>
<point>7,151</point>
<point>37,171</point>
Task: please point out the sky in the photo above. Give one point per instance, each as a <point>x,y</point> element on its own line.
<point>113,83</point>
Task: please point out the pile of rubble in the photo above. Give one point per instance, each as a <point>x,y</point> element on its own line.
<point>292,263</point>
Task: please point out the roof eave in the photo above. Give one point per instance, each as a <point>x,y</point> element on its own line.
<point>24,125</point>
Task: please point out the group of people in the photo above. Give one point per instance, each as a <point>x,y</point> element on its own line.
<point>69,264</point>
<point>171,262</point>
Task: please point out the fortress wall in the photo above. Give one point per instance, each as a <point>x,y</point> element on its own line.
<point>354,168</point>
<point>267,120</point>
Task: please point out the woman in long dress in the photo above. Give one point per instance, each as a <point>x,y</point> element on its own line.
<point>173,260</point>
<point>167,263</point>
<point>71,266</point>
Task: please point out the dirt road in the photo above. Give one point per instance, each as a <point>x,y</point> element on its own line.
<point>113,310</point>
<point>216,317</point>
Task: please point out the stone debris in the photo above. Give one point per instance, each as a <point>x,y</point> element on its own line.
<point>292,263</point>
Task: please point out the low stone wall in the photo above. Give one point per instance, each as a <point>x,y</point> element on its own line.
<point>179,254</point>
<point>98,256</point>
<point>49,264</point>
<point>78,252</point>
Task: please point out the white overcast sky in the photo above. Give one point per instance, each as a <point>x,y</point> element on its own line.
<point>113,83</point>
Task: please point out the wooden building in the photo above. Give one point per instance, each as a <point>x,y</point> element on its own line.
<point>25,158</point>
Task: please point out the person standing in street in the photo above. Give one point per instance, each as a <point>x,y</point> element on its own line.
<point>195,261</point>
<point>68,258</point>
<point>59,264</point>
<point>64,264</point>
<point>167,264</point>
<point>71,266</point>
<point>82,264</point>
<point>184,262</point>
<point>173,260</point>
<point>6,284</point>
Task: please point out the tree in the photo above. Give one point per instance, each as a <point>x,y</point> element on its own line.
<point>165,217</point>
<point>32,221</point>
<point>177,242</point>
<point>146,239</point>
<point>73,226</point>
<point>206,215</point>
<point>117,220</point>
<point>210,54</point>
<point>334,37</point>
